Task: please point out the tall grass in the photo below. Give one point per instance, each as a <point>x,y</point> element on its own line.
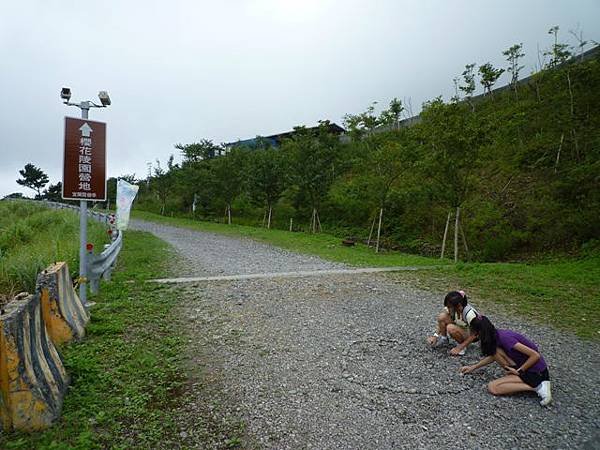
<point>32,237</point>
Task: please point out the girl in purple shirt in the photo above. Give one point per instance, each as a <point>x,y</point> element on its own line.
<point>515,353</point>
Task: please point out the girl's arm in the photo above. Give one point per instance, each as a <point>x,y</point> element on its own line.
<point>532,358</point>
<point>484,362</point>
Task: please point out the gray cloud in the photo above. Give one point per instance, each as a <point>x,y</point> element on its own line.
<point>180,71</point>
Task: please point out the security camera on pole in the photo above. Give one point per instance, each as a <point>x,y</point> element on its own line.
<point>84,169</point>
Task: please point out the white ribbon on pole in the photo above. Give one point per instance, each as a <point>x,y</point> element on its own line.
<point>126,192</point>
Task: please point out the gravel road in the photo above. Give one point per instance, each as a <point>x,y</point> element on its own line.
<point>214,254</point>
<point>340,362</point>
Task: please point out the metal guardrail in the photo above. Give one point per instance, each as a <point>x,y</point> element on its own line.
<point>101,266</point>
<point>96,215</point>
<point>98,266</point>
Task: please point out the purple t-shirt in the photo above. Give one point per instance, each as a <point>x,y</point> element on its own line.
<point>507,339</point>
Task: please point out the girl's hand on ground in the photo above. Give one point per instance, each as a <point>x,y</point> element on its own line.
<point>466,369</point>
<point>431,340</point>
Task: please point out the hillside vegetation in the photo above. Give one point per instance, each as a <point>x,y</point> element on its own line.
<point>520,166</point>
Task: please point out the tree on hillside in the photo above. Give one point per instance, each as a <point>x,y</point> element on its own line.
<point>162,182</point>
<point>469,87</point>
<point>53,192</point>
<point>361,124</point>
<point>265,178</point>
<point>488,77</point>
<point>559,52</point>
<point>581,42</point>
<point>379,167</point>
<point>513,55</point>
<point>391,116</point>
<point>313,157</point>
<point>198,151</point>
<point>452,140</point>
<point>33,178</point>
<point>227,177</point>
<point>456,97</point>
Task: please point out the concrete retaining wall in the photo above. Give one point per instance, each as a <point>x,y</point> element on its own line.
<point>62,310</point>
<point>33,380</point>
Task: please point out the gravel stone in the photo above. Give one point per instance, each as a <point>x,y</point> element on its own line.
<point>340,361</point>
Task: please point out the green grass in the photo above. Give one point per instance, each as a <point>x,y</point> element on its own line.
<point>126,374</point>
<point>33,237</point>
<point>564,292</point>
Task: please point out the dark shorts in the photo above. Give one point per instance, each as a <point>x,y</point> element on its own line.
<point>534,379</point>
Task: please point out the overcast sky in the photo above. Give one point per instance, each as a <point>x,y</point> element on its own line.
<point>180,71</point>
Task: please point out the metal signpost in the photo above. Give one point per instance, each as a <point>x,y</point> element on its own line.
<point>84,169</point>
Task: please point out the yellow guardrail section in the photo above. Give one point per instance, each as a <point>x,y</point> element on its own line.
<point>33,380</point>
<point>62,310</point>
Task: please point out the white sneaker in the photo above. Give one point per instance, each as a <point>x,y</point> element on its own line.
<point>544,392</point>
<point>442,341</point>
<point>462,352</point>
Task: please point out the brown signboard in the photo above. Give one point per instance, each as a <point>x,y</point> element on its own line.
<point>84,166</point>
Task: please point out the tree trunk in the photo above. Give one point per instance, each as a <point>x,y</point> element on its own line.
<point>313,221</point>
<point>371,232</point>
<point>456,225</point>
<point>562,137</point>
<point>462,234</point>
<point>264,218</point>
<point>576,144</point>
<point>269,220</point>
<point>379,229</point>
<point>445,235</point>
<point>291,224</point>
<point>229,214</point>
<point>571,94</point>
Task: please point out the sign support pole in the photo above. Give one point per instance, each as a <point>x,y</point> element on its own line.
<point>84,171</point>
<point>85,108</point>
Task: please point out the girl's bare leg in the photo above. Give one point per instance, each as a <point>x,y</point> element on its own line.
<point>509,384</point>
<point>443,320</point>
<point>457,333</point>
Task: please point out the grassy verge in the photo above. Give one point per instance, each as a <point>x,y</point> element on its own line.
<point>563,292</point>
<point>126,375</point>
<point>33,237</point>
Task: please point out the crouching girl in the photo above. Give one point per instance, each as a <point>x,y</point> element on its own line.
<point>515,353</point>
<point>454,321</point>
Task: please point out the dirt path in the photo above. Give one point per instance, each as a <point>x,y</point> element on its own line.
<point>338,361</point>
